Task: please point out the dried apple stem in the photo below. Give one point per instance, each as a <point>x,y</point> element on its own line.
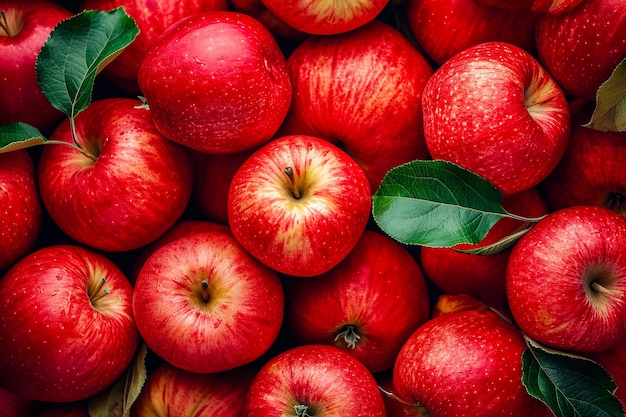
<point>301,410</point>
<point>294,188</point>
<point>205,290</point>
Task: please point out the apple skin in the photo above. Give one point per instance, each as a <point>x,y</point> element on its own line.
<point>66,335</point>
<point>444,28</point>
<point>482,276</point>
<point>216,82</point>
<point>466,363</point>
<point>12,405</point>
<point>378,290</point>
<point>538,6</point>
<point>31,22</point>
<point>21,222</point>
<point>566,278</point>
<point>237,323</point>
<point>303,236</point>
<point>320,17</point>
<point>591,172</point>
<point>495,111</point>
<point>580,55</point>
<point>170,391</point>
<point>325,379</point>
<point>136,189</point>
<point>281,30</point>
<point>361,90</point>
<point>152,18</point>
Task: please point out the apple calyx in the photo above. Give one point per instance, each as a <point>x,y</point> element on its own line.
<point>294,188</point>
<point>417,409</point>
<point>6,27</point>
<point>615,201</point>
<point>205,291</point>
<point>302,410</point>
<point>349,335</point>
<point>99,291</point>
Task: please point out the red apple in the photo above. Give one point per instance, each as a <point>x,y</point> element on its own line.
<point>362,90</point>
<point>591,171</point>
<point>538,6</point>
<point>212,180</point>
<point>66,324</point>
<point>444,28</point>
<point>566,280</point>
<point>467,363</point>
<point>216,82</point>
<point>582,47</point>
<point>152,18</point>
<point>24,27</point>
<point>368,305</point>
<point>299,204</point>
<point>494,110</point>
<point>21,219</point>
<point>170,391</point>
<point>203,304</point>
<point>131,186</point>
<point>314,380</point>
<point>281,30</point>
<point>320,17</point>
<point>482,276</point>
<point>12,405</point>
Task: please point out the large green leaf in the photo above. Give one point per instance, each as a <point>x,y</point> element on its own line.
<point>436,203</point>
<point>610,111</point>
<point>19,135</point>
<point>77,49</point>
<point>570,385</point>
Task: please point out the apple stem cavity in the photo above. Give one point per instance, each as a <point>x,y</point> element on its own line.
<point>99,292</point>
<point>205,290</point>
<point>349,335</point>
<point>5,28</point>
<point>615,201</point>
<point>294,188</point>
<point>302,410</point>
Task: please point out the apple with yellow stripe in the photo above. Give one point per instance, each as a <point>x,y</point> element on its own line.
<point>299,204</point>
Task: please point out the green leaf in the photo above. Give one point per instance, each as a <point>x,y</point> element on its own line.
<point>77,49</point>
<point>19,135</point>
<point>610,112</point>
<point>436,203</point>
<point>572,386</point>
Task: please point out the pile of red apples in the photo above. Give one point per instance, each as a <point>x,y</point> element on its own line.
<point>208,246</point>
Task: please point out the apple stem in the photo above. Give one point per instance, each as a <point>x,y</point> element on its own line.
<point>302,410</point>
<point>350,336</point>
<point>294,189</point>
<point>596,286</point>
<point>413,406</point>
<point>98,294</point>
<point>72,145</point>
<point>205,290</point>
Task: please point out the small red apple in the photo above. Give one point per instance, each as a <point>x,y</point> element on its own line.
<point>203,304</point>
<point>66,324</point>
<point>216,82</point>
<point>314,380</point>
<point>299,204</point>
<point>368,304</point>
<point>566,280</point>
<point>24,27</point>
<point>494,110</point>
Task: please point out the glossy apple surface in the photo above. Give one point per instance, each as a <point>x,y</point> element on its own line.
<point>494,110</point>
<point>314,380</point>
<point>591,170</point>
<point>170,391</point>
<point>20,223</point>
<point>582,47</point>
<point>299,204</point>
<point>134,187</point>
<point>444,28</point>
<point>66,324</point>
<point>152,18</point>
<point>216,82</point>
<point>363,91</point>
<point>320,17</point>
<point>465,363</point>
<point>24,27</point>
<point>566,280</point>
<point>367,305</point>
<point>203,304</point>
